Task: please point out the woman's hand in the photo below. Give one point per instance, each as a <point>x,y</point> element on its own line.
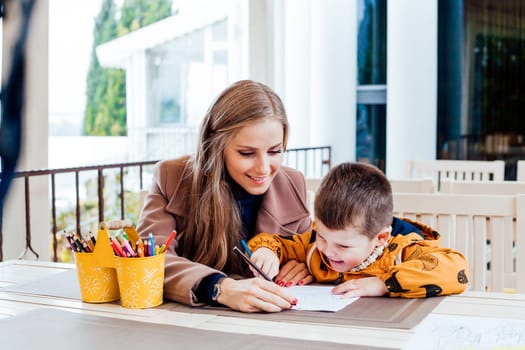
<point>292,273</point>
<point>361,287</point>
<point>254,295</point>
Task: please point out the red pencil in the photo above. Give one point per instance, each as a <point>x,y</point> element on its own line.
<point>116,247</point>
<point>171,238</point>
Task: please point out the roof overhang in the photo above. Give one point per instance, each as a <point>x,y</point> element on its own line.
<point>116,53</point>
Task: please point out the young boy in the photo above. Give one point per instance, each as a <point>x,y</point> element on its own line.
<point>357,244</point>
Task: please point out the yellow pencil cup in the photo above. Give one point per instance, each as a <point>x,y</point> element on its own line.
<point>98,284</point>
<point>141,281</point>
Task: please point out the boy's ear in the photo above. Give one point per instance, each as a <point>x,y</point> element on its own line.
<point>383,236</point>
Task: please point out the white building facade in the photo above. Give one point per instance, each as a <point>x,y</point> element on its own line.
<point>306,50</point>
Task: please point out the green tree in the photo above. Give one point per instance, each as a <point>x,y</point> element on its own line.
<point>136,14</point>
<point>105,29</point>
<point>105,113</point>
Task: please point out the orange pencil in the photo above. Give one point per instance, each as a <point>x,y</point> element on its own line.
<point>90,245</point>
<point>140,248</point>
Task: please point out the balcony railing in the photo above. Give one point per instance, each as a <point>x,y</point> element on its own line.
<point>312,162</point>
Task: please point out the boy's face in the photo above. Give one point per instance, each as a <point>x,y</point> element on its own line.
<point>347,248</point>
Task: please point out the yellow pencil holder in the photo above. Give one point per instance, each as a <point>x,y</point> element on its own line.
<point>98,284</point>
<point>96,271</point>
<point>141,281</point>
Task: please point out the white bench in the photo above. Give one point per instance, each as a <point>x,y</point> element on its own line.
<point>413,185</point>
<point>312,184</point>
<point>466,223</point>
<point>461,170</point>
<point>521,170</point>
<point>482,187</point>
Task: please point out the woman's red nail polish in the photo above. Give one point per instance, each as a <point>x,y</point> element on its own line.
<point>300,283</point>
<point>288,284</point>
<point>280,283</point>
<point>294,302</point>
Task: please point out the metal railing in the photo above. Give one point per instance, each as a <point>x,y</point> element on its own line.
<point>313,162</point>
<point>51,173</point>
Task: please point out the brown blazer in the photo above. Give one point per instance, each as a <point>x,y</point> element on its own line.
<point>283,210</point>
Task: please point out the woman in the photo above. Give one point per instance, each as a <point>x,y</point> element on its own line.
<point>232,188</point>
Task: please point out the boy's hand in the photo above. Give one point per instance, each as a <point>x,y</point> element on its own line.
<point>361,287</point>
<point>266,259</point>
<point>293,273</point>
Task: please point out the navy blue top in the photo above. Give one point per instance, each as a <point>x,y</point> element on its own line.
<point>248,205</point>
<point>248,208</point>
<point>400,227</point>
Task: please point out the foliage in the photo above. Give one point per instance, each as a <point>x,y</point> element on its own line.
<point>105,113</point>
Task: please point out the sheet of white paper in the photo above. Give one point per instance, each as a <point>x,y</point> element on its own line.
<point>448,332</point>
<point>318,298</point>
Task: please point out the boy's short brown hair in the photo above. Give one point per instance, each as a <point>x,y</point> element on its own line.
<point>357,195</point>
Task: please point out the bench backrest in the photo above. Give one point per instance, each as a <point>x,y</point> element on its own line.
<point>312,184</point>
<point>461,170</point>
<point>488,229</point>
<point>482,187</point>
<point>521,170</point>
<point>413,185</point>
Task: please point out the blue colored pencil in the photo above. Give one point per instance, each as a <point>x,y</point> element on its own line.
<point>245,246</point>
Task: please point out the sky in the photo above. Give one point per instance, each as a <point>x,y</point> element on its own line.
<point>70,40</point>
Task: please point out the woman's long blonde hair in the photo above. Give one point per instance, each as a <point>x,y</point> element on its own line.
<point>214,224</point>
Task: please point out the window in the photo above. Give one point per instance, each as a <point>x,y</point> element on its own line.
<point>481,78</point>
<point>182,70</point>
<point>371,90</point>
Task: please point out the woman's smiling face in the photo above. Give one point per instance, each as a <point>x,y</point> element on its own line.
<point>255,154</point>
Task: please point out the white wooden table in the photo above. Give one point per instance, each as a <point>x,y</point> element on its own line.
<point>478,304</point>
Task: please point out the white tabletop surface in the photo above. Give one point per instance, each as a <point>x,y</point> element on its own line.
<point>486,306</point>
